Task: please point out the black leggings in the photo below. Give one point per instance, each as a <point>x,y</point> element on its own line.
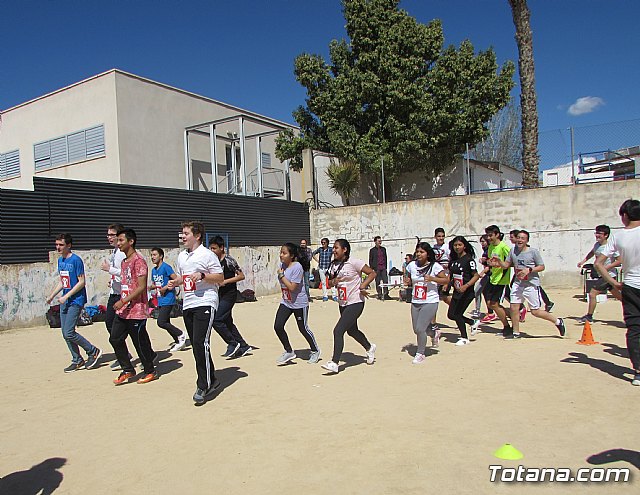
<point>459,304</point>
<point>301,315</point>
<point>348,323</point>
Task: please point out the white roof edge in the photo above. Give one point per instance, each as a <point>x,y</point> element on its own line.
<point>150,81</point>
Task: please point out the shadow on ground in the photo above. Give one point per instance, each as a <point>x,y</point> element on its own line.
<point>43,478</point>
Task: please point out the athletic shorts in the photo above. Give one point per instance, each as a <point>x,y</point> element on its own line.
<point>493,293</point>
<point>529,293</point>
<point>601,285</point>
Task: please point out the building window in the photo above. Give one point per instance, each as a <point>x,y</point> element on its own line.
<point>266,160</point>
<point>74,147</point>
<point>10,165</point>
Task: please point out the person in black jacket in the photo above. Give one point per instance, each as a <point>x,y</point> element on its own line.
<point>378,261</point>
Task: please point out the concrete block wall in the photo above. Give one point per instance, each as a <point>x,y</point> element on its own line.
<point>561,221</point>
<point>24,288</point>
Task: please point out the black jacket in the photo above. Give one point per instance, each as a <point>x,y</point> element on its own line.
<point>373,257</point>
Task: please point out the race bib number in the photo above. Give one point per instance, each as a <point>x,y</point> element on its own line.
<point>342,293</point>
<point>158,286</point>
<point>457,281</point>
<point>65,279</point>
<point>286,294</point>
<point>189,284</point>
<point>523,273</point>
<point>420,292</point>
<point>124,291</point>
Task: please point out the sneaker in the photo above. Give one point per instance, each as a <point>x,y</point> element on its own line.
<point>512,336</point>
<point>523,314</point>
<point>231,349</point>
<point>286,357</point>
<point>115,366</point>
<point>586,318</point>
<point>243,350</point>
<point>314,357</point>
<point>636,380</point>
<point>462,341</point>
<point>475,328</point>
<point>325,299</point>
<point>149,377</point>
<point>93,360</point>
<point>200,396</point>
<point>387,297</point>
<point>178,346</point>
<point>371,354</point>
<point>335,298</point>
<point>489,318</point>
<point>125,376</point>
<point>419,359</point>
<point>330,366</point>
<point>506,332</point>
<point>74,367</point>
<point>475,314</point>
<point>561,328</point>
<point>549,307</point>
<point>435,340</point>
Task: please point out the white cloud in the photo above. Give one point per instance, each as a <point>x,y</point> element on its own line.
<point>586,104</point>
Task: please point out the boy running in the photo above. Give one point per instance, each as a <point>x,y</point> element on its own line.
<point>499,278</point>
<point>131,313</point>
<point>227,291</point>
<point>602,234</point>
<point>527,263</point>
<point>73,299</point>
<point>161,273</point>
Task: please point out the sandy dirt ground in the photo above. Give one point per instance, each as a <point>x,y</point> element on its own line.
<point>392,427</point>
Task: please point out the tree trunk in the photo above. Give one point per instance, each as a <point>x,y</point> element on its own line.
<point>524,39</point>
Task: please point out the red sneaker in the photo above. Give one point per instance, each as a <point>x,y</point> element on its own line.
<point>523,314</point>
<point>148,377</point>
<point>124,377</point>
<point>489,318</point>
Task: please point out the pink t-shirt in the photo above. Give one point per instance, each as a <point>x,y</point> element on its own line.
<point>130,270</point>
<point>349,286</point>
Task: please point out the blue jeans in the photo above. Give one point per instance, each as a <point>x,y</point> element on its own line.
<point>69,314</point>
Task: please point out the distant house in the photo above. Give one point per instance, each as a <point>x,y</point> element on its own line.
<point>598,166</point>
<point>464,177</point>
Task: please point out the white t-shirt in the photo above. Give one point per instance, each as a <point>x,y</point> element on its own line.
<point>423,292</point>
<point>443,254</point>
<point>627,243</point>
<point>115,262</point>
<point>200,293</point>
<point>599,249</point>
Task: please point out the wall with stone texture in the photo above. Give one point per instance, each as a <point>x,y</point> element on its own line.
<point>561,221</point>
<point>24,288</point>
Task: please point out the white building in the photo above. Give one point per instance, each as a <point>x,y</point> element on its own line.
<point>121,128</point>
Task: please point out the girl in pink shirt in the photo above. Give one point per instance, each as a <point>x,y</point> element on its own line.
<point>345,274</point>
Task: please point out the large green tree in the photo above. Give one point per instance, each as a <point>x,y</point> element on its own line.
<point>394,91</point>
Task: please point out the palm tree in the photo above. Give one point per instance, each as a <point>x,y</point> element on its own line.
<point>524,39</point>
<point>344,178</point>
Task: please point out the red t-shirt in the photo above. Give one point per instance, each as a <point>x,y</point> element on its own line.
<point>131,269</point>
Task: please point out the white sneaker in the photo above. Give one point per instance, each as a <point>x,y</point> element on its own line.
<point>178,346</point>
<point>371,354</point>
<point>435,340</point>
<point>286,357</point>
<point>314,357</point>
<point>475,328</point>
<point>330,366</point>
<point>462,341</point>
<point>419,359</point>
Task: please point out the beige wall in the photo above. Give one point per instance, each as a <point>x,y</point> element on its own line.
<point>561,221</point>
<point>24,288</point>
<point>84,105</point>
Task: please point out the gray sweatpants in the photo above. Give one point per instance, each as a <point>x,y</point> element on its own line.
<point>421,317</point>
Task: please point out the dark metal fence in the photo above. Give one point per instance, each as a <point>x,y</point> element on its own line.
<point>29,220</point>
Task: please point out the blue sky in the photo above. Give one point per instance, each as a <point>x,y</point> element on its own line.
<point>242,52</point>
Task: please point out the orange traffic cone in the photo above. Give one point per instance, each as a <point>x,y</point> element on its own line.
<point>587,336</point>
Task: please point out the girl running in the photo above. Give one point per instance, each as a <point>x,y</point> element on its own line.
<point>294,301</point>
<point>345,274</point>
<point>464,274</point>
<point>424,274</point>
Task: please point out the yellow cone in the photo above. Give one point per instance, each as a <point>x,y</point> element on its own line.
<point>508,452</point>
